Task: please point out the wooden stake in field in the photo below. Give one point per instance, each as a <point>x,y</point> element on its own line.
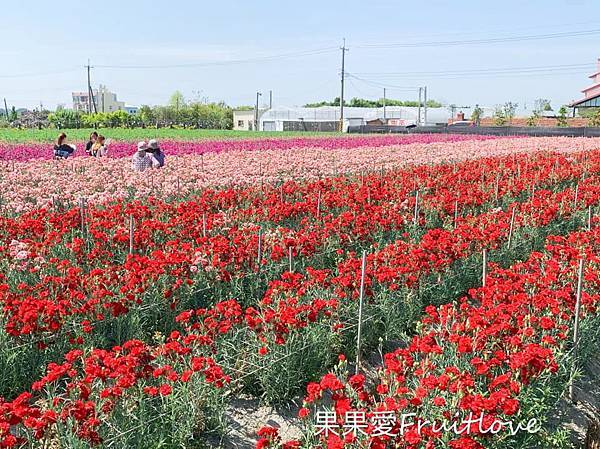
<point>131,232</point>
<point>318,204</point>
<point>576,196</point>
<point>290,259</point>
<point>82,204</point>
<point>416,213</point>
<point>576,326</point>
<point>590,218</point>
<point>455,214</point>
<point>360,308</point>
<point>259,256</point>
<point>484,267</point>
<point>497,187</point>
<point>203,224</point>
<point>512,226</point>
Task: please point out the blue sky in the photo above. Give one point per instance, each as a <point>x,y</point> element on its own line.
<point>47,43</point>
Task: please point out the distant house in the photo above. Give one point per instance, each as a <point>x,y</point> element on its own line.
<point>103,99</point>
<point>591,93</point>
<point>243,119</point>
<point>131,110</point>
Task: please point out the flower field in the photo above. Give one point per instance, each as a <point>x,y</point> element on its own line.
<point>135,307</point>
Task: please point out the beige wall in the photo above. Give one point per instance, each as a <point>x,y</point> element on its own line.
<point>106,101</point>
<point>243,120</point>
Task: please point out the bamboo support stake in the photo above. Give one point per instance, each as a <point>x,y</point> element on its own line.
<point>455,214</point>
<point>131,233</point>
<point>360,308</point>
<point>259,256</point>
<point>512,226</point>
<point>82,213</point>
<point>576,327</point>
<point>318,204</point>
<point>590,218</point>
<point>416,213</point>
<point>290,259</point>
<point>484,267</point>
<point>203,224</point>
<point>497,188</point>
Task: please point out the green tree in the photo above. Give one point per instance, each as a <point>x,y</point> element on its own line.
<point>114,119</point>
<point>541,105</point>
<point>65,118</point>
<point>510,109</point>
<point>177,102</point>
<point>365,103</point>
<point>13,116</point>
<point>594,119</point>
<point>146,115</point>
<point>562,117</point>
<point>476,115</point>
<point>532,120</point>
<point>499,117</point>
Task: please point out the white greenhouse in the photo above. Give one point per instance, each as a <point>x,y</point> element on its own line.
<point>327,118</point>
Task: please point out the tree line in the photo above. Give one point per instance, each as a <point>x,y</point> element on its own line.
<point>177,113</point>
<point>365,103</point>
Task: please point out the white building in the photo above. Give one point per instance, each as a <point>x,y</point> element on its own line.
<point>103,99</point>
<point>243,119</point>
<point>326,118</point>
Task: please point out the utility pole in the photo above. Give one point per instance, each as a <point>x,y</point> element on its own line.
<point>419,108</point>
<point>384,114</point>
<point>270,99</point>
<point>425,105</point>
<point>344,50</point>
<point>258,94</point>
<point>91,100</point>
<point>6,109</point>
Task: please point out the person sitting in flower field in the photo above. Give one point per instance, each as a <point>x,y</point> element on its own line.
<point>91,142</point>
<point>156,152</point>
<point>62,150</point>
<point>141,160</point>
<point>99,148</point>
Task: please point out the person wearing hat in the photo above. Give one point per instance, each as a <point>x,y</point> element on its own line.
<point>156,152</point>
<point>141,160</point>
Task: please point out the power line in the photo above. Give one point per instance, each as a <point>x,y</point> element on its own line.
<point>494,71</point>
<point>319,51</point>
<point>39,74</point>
<point>531,37</point>
<point>380,85</point>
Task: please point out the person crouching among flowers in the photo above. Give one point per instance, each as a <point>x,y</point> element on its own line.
<point>141,160</point>
<point>156,152</point>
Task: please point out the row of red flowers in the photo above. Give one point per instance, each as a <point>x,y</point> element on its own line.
<point>486,355</point>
